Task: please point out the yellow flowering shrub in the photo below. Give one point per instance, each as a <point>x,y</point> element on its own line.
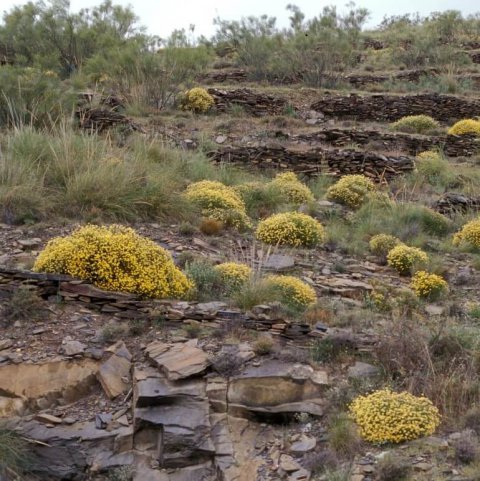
<point>465,126</point>
<point>388,417</point>
<point>428,155</point>
<point>197,100</point>
<point>382,244</point>
<point>218,202</point>
<point>418,124</point>
<point>291,228</point>
<point>290,187</point>
<point>403,258</point>
<point>292,291</point>
<point>114,258</point>
<point>428,285</point>
<point>351,190</point>
<point>469,234</point>
<point>233,275</point>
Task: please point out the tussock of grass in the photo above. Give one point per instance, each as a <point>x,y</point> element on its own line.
<point>414,224</point>
<point>75,175</point>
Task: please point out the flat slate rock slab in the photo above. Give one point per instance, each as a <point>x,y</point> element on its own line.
<point>178,361</point>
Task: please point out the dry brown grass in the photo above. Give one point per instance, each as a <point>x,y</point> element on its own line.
<point>436,364</point>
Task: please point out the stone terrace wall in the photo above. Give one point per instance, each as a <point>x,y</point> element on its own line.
<point>317,161</point>
<point>389,108</point>
<point>255,103</point>
<point>452,145</point>
<point>356,80</point>
<point>129,306</point>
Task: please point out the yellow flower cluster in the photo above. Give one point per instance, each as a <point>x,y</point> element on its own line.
<point>403,258</point>
<point>291,228</point>
<point>465,126</point>
<point>197,100</point>
<point>428,155</point>
<point>428,285</point>
<point>388,417</point>
<point>469,234</point>
<point>218,202</point>
<point>415,123</point>
<point>289,186</point>
<point>351,190</point>
<point>382,244</point>
<point>115,258</point>
<point>292,291</point>
<point>233,275</point>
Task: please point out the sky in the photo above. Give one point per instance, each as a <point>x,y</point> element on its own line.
<point>162,16</point>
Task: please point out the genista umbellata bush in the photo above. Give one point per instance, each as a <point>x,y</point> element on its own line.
<point>468,235</point>
<point>289,186</point>
<point>233,275</point>
<point>404,258</point>
<point>197,100</point>
<point>220,202</point>
<point>351,190</point>
<point>292,291</point>
<point>291,228</point>
<point>388,417</point>
<point>382,244</point>
<point>465,126</point>
<point>115,258</point>
<point>428,286</point>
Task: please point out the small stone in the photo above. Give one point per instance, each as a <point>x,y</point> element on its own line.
<point>422,467</point>
<point>357,477</point>
<point>220,139</point>
<point>30,243</point>
<point>5,344</point>
<point>300,475</point>
<point>279,262</point>
<point>362,370</point>
<point>303,445</point>
<point>94,353</point>
<point>69,420</point>
<point>43,403</point>
<point>102,420</point>
<point>73,348</point>
<point>48,419</point>
<point>39,330</point>
<point>434,309</point>
<point>435,442</point>
<point>288,464</point>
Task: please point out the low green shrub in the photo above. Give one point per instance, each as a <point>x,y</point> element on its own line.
<point>418,124</point>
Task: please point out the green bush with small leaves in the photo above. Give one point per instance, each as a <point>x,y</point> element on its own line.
<point>418,124</point>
